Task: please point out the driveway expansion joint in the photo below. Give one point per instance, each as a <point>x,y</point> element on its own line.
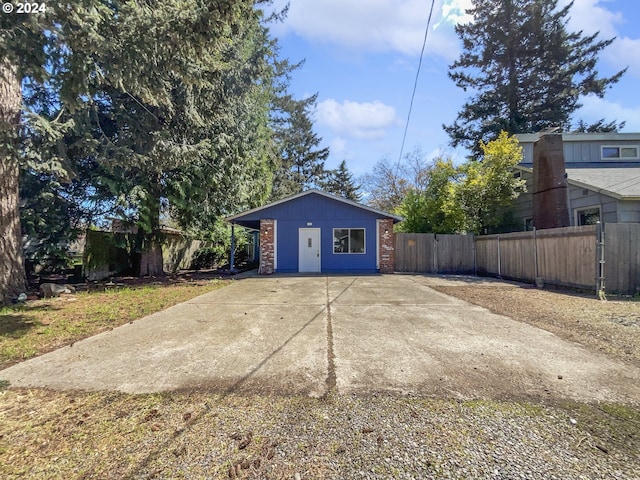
<point>331,366</point>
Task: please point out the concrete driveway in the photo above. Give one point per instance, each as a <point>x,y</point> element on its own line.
<point>353,334</point>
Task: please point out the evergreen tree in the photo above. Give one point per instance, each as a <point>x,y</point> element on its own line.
<point>341,182</point>
<point>527,70</point>
<point>22,54</point>
<point>597,127</point>
<point>138,95</point>
<point>300,163</point>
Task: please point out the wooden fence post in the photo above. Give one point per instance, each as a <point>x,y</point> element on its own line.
<point>435,253</point>
<point>499,275</point>
<point>475,255</point>
<point>535,254</point>
<point>600,259</point>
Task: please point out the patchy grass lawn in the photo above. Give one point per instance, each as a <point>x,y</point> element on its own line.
<point>44,325</point>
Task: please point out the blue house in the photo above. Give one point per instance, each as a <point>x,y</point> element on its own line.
<point>314,231</point>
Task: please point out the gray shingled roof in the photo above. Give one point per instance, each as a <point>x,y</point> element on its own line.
<point>621,182</point>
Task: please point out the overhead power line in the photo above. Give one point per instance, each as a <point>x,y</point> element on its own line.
<point>415,85</point>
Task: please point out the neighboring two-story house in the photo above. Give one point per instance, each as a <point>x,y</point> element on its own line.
<point>603,174</point>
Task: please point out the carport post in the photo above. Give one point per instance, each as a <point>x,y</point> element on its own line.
<point>233,247</point>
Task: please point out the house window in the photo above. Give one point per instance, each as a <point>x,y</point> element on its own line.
<point>620,152</point>
<point>587,216</point>
<point>528,224</point>
<point>348,240</point>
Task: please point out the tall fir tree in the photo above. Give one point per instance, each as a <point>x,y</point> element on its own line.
<point>341,182</point>
<point>529,72</point>
<point>22,54</point>
<point>300,163</point>
<point>138,92</point>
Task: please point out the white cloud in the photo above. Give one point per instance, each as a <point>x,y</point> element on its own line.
<point>376,25</point>
<point>590,17</point>
<point>338,147</point>
<point>595,108</point>
<point>455,11</point>
<point>625,52</point>
<point>367,120</point>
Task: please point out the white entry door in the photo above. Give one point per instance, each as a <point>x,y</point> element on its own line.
<point>309,250</point>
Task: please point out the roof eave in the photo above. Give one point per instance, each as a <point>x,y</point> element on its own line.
<point>396,218</point>
<point>582,137</point>
<point>578,183</point>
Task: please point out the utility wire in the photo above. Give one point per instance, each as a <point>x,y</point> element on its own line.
<point>415,85</point>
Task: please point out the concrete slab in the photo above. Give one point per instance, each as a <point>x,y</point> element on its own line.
<point>355,334</point>
<point>207,342</point>
<point>388,290</point>
<point>441,350</point>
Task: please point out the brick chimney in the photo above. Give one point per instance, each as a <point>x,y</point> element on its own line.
<point>550,188</point>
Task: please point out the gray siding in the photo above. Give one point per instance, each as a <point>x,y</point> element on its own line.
<point>579,150</point>
<point>523,206</point>
<point>629,211</point>
<point>578,200</point>
<point>527,153</point>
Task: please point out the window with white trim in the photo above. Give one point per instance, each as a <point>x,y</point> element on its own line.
<point>620,152</point>
<point>587,216</point>
<point>348,240</point>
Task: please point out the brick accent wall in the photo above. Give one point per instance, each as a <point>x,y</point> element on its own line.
<point>267,233</point>
<point>387,248</point>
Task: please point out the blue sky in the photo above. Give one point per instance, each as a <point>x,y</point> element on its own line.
<point>361,57</point>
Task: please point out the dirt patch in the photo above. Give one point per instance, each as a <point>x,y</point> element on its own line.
<point>611,327</point>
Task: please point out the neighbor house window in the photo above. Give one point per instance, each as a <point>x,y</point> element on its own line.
<point>528,224</point>
<point>588,216</point>
<point>621,152</point>
<point>348,240</point>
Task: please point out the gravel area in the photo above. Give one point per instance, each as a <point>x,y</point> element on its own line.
<point>200,435</point>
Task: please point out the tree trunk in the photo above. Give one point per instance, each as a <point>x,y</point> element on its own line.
<point>12,272</point>
<point>151,263</point>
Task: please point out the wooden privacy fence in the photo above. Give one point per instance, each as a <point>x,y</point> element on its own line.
<point>434,253</point>
<point>109,253</point>
<point>571,257</point>
<point>558,256</point>
<point>622,257</point>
